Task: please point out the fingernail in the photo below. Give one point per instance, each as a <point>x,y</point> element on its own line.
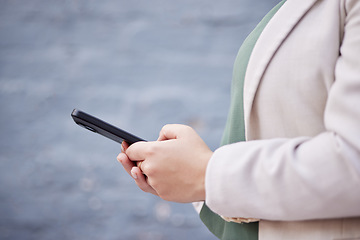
<point>119,158</point>
<point>133,174</point>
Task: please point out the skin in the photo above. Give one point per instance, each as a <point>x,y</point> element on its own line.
<point>173,167</point>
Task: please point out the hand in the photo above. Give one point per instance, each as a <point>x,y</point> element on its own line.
<point>174,166</point>
<point>134,171</point>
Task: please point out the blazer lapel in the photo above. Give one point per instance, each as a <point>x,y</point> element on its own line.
<point>266,46</point>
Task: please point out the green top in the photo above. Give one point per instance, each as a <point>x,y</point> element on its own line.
<point>235,132</point>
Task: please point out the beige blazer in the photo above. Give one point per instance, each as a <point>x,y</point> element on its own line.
<point>299,170</point>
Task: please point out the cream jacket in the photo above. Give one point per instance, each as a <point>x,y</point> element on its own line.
<point>299,170</point>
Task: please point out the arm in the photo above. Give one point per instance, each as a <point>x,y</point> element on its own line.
<point>299,178</point>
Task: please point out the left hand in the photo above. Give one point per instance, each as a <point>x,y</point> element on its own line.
<point>174,166</point>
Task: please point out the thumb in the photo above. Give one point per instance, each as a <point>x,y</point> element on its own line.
<point>138,151</point>
<point>173,131</point>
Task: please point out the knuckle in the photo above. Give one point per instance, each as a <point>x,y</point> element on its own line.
<point>184,128</point>
<point>166,127</point>
<point>155,185</point>
<point>189,128</point>
<point>143,186</point>
<point>151,150</point>
<point>148,169</point>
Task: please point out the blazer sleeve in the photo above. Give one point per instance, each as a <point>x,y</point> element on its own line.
<point>299,178</point>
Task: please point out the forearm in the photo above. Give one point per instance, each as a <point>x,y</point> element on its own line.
<point>285,179</point>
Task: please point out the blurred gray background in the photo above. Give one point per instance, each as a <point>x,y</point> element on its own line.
<point>137,64</point>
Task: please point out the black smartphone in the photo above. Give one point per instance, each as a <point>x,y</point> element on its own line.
<point>103,128</point>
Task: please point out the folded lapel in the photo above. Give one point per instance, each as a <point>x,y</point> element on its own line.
<point>266,46</point>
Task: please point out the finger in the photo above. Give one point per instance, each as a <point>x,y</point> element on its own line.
<point>141,181</point>
<point>126,163</point>
<point>173,131</point>
<point>138,151</point>
<point>124,146</point>
<point>138,164</point>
